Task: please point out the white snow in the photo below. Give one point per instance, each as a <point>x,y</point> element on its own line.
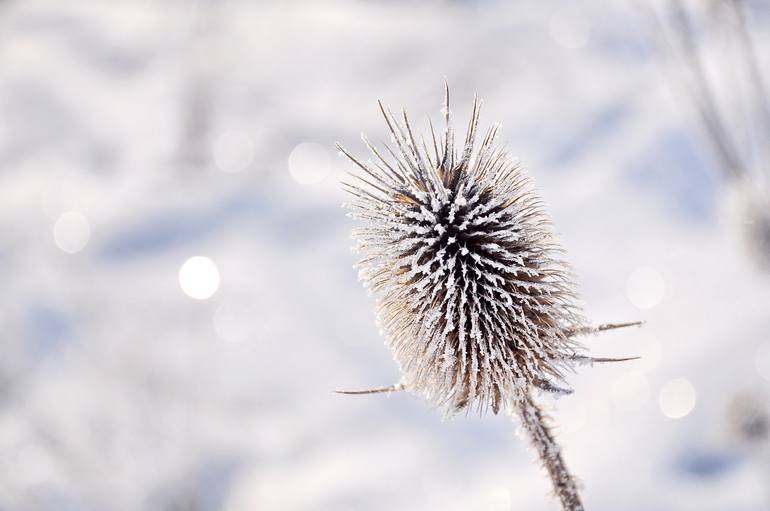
<point>117,391</point>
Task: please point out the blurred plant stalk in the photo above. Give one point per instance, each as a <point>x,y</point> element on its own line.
<point>717,72</point>
<point>199,82</point>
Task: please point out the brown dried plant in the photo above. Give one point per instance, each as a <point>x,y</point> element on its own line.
<point>475,302</point>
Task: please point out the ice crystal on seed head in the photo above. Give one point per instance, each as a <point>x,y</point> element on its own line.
<point>472,296</point>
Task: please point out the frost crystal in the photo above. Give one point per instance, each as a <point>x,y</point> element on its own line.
<point>475,303</point>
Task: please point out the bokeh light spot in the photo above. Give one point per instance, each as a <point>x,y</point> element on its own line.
<point>645,287</point>
<point>677,398</point>
<point>199,277</point>
<point>71,232</point>
<point>309,163</point>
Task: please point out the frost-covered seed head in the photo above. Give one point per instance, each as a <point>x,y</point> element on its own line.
<point>472,296</point>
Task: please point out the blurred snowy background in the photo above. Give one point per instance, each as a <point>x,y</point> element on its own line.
<point>177,295</point>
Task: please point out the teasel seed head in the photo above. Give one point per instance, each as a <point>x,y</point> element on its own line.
<point>473,296</point>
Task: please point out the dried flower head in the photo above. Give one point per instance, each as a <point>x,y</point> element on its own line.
<point>473,297</point>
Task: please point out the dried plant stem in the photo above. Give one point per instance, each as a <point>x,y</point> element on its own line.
<point>584,330</point>
<point>475,302</point>
<point>535,422</point>
<point>379,390</point>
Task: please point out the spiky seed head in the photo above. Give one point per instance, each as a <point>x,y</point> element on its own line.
<point>474,300</point>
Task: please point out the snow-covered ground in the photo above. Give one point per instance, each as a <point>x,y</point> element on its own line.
<point>135,135</point>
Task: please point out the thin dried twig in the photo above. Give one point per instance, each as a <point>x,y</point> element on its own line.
<point>534,423</point>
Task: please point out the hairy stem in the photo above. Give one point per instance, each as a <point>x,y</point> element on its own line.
<point>535,422</point>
